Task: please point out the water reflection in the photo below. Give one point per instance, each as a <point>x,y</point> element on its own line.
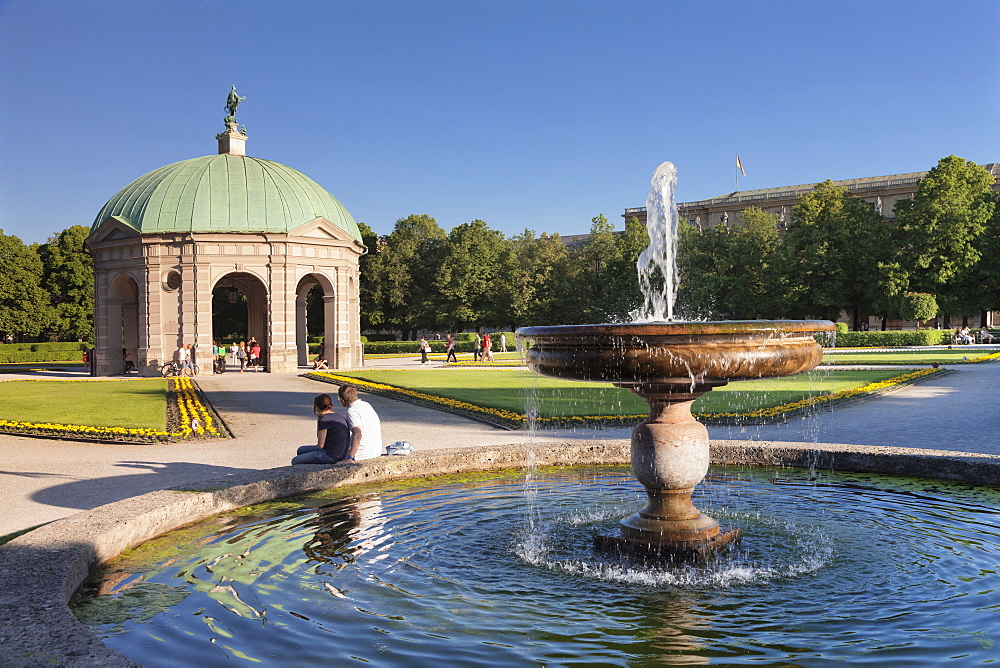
<point>348,530</point>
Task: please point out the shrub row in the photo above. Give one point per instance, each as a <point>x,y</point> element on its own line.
<point>464,343</point>
<point>26,353</point>
<point>41,347</point>
<point>28,357</point>
<point>920,337</point>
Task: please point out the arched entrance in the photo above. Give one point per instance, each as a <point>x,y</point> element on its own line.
<point>320,288</point>
<point>122,350</point>
<point>239,312</point>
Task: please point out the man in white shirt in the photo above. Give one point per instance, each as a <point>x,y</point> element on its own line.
<point>366,428</point>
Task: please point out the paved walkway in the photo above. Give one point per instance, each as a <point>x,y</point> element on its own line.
<point>956,411</point>
<point>43,480</point>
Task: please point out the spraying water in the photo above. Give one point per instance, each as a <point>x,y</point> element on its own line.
<point>657,265</point>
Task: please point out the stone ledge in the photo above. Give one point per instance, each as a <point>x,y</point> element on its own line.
<point>41,569</point>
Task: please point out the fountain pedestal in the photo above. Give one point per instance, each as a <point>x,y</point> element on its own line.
<point>670,456</point>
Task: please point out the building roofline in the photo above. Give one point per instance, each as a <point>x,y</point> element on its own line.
<point>790,192</point>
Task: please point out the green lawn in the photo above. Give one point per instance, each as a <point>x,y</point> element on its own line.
<point>140,404</point>
<point>510,390</point>
<point>912,357</point>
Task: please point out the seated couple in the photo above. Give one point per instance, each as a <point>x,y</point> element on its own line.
<point>342,441</point>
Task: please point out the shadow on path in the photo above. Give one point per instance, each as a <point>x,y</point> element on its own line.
<point>90,493</point>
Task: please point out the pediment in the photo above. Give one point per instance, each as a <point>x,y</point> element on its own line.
<point>321,229</point>
<point>114,228</point>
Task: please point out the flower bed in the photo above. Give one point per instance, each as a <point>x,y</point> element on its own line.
<point>992,357</point>
<point>784,411</point>
<point>83,432</point>
<point>188,416</point>
<point>512,420</point>
<point>497,416</point>
<point>194,417</point>
<point>497,364</point>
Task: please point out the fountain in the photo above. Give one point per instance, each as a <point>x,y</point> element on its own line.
<point>670,364</point>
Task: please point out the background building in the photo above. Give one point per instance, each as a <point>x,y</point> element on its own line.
<point>882,192</point>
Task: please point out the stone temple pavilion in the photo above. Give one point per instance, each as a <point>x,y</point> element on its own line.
<point>170,238</point>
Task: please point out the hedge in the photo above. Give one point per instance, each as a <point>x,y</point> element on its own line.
<point>28,357</point>
<point>401,347</point>
<point>464,343</point>
<point>27,353</point>
<point>41,347</point>
<point>919,337</point>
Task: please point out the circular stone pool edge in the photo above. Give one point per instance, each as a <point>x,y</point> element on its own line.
<point>41,569</point>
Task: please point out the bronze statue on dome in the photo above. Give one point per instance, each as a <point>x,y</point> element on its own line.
<point>232,102</point>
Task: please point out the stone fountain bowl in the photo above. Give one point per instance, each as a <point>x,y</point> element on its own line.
<point>706,353</point>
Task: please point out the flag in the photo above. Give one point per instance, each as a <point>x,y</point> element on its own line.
<point>739,166</point>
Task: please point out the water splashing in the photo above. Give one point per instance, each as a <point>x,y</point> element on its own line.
<point>657,265</point>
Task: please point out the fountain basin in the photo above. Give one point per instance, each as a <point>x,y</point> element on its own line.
<point>452,572</point>
<point>675,353</point>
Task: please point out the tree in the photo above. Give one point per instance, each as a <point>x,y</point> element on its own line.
<point>68,276</point>
<point>531,294</point>
<point>24,306</point>
<point>832,254</point>
<point>369,285</point>
<point>749,273</point>
<point>470,278</point>
<point>918,306</point>
<point>590,297</point>
<point>985,279</point>
<point>944,221</point>
<point>730,273</point>
<point>405,267</point>
<point>624,293</point>
<point>948,226</point>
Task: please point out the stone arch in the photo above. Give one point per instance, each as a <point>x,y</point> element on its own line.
<point>122,330</point>
<point>258,308</point>
<point>330,347</point>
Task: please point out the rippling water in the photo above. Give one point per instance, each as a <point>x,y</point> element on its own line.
<point>832,568</point>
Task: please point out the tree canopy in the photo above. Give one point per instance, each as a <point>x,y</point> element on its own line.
<point>25,310</point>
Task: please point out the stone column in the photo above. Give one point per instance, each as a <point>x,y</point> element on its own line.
<point>283,355</point>
<point>343,324</point>
<point>301,333</point>
<point>357,358</point>
<point>101,329</point>
<point>148,302</point>
<point>331,337</point>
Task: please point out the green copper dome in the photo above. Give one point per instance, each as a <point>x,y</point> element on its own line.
<point>225,193</point>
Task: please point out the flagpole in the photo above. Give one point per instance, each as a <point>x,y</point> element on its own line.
<point>737,172</point>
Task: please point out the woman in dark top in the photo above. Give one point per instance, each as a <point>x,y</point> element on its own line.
<point>333,437</point>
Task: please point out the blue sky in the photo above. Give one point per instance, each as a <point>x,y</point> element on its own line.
<point>532,114</point>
